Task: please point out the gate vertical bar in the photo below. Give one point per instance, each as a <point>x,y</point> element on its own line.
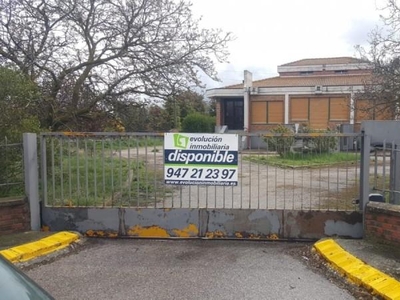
<point>395,174</point>
<point>130,173</point>
<point>69,172</point>
<point>121,186</point>
<point>86,172</point>
<point>95,171</point>
<point>364,171</point>
<point>78,186</point>
<point>43,159</point>
<point>31,178</point>
<point>53,176</point>
<point>62,172</point>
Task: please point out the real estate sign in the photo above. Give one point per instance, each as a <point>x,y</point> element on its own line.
<point>200,159</point>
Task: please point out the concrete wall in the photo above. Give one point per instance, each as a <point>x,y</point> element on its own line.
<point>382,222</point>
<point>208,223</point>
<point>382,131</point>
<point>14,215</point>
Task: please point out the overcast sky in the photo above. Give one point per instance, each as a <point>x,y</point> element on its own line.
<point>273,32</point>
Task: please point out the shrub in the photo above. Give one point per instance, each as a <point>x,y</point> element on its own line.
<point>322,144</point>
<point>280,144</point>
<point>197,122</point>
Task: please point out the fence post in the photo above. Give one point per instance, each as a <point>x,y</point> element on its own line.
<point>364,171</point>
<point>395,174</point>
<point>32,178</point>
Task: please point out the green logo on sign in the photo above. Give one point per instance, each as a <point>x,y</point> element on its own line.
<point>181,141</point>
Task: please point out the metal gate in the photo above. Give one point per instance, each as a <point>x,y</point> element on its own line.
<point>290,187</point>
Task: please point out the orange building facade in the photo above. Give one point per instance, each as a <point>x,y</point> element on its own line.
<point>320,93</point>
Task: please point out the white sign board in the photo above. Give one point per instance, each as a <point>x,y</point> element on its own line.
<point>200,159</point>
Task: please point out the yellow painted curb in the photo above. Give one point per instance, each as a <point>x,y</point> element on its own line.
<point>357,271</point>
<point>41,247</point>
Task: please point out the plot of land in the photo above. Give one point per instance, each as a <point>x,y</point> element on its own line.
<point>132,175</point>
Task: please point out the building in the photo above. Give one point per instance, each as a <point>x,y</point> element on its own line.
<point>318,92</point>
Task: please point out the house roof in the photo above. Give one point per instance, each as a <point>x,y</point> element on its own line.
<point>301,81</point>
<point>324,61</point>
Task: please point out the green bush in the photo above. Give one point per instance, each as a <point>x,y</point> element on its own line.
<point>313,144</point>
<point>197,122</point>
<point>322,144</point>
<point>280,144</point>
<point>18,97</point>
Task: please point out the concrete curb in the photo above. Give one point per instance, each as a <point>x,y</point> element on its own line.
<point>41,247</point>
<point>357,271</point>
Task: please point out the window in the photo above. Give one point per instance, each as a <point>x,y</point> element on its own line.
<point>259,112</point>
<point>267,112</point>
<point>339,109</point>
<point>299,109</point>
<point>275,112</point>
<point>319,111</point>
<point>306,72</point>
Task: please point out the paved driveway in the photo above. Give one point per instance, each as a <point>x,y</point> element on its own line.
<point>191,269</point>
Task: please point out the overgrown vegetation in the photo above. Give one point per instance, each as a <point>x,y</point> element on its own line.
<point>280,144</point>
<point>17,95</point>
<point>318,144</point>
<point>285,139</point>
<point>308,160</point>
<point>92,180</point>
<point>115,143</point>
<point>12,174</point>
<point>197,122</point>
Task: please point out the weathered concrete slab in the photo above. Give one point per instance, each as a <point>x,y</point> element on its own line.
<point>208,223</point>
<point>317,224</point>
<point>147,222</point>
<point>244,223</point>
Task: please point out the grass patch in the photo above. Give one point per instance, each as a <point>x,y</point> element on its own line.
<point>105,144</point>
<point>307,160</point>
<point>122,142</point>
<point>93,181</point>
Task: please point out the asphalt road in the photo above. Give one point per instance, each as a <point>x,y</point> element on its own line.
<point>191,269</point>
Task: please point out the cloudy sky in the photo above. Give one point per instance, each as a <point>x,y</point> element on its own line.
<point>273,32</point>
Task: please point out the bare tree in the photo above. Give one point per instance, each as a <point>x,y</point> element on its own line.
<point>382,89</point>
<point>90,53</point>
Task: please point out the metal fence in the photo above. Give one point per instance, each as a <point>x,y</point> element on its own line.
<point>11,166</point>
<point>385,172</point>
<point>299,172</point>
